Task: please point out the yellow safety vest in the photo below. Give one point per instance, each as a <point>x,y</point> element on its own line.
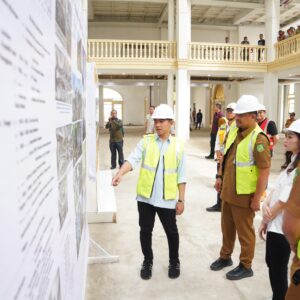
<point>221,133</point>
<point>150,160</point>
<point>246,169</point>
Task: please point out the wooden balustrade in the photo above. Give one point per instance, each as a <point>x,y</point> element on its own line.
<point>125,49</point>
<point>229,53</point>
<point>287,47</point>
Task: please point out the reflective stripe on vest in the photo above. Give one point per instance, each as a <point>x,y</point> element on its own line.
<point>149,166</point>
<point>246,169</point>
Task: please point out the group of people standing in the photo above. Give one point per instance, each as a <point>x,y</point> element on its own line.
<point>242,177</point>
<point>245,138</point>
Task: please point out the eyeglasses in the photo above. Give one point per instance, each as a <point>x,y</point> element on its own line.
<point>229,110</point>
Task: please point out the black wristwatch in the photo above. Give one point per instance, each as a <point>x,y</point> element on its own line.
<point>181,201</point>
<point>219,176</point>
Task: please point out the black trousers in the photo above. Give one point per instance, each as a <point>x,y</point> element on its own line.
<point>277,258</point>
<point>114,148</point>
<point>167,218</point>
<point>212,144</point>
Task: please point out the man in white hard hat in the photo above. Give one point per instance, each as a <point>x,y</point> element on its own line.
<point>242,181</point>
<point>219,147</point>
<point>162,174</point>
<point>291,223</point>
<point>268,127</point>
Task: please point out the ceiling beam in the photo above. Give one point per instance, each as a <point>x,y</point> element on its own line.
<point>245,15</point>
<point>90,9</point>
<point>163,14</point>
<point>228,4</point>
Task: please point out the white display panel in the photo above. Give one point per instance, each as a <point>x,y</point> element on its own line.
<point>43,230</point>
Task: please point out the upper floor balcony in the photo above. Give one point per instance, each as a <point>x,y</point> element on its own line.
<point>138,54</point>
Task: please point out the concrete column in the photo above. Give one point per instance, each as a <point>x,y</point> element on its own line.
<point>183,104</point>
<point>171,20</point>
<point>272,22</point>
<point>101,107</point>
<point>271,96</point>
<point>183,37</point>
<point>297,100</point>
<point>170,89</point>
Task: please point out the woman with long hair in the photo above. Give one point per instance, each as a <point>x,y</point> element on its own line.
<point>277,247</point>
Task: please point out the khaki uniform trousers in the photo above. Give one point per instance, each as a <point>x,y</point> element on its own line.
<point>235,219</point>
<point>293,293</point>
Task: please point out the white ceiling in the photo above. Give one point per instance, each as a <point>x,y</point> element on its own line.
<point>207,12</point>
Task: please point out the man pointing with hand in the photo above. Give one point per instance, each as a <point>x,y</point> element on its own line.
<point>162,177</point>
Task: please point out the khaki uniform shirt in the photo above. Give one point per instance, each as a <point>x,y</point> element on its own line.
<point>262,158</point>
<point>293,207</point>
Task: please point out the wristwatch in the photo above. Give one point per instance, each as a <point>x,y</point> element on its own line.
<point>181,201</point>
<point>219,176</point>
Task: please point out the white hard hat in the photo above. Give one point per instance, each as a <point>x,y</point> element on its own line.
<point>163,111</point>
<point>231,105</point>
<point>247,103</point>
<point>295,126</point>
<point>262,107</point>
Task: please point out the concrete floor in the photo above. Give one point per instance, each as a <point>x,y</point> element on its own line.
<point>200,239</point>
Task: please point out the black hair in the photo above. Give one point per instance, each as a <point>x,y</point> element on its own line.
<point>218,105</point>
<point>152,106</point>
<point>288,158</point>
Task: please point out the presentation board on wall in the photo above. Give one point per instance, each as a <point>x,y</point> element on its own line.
<point>43,230</point>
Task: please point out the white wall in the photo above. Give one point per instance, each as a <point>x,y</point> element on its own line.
<point>255,89</point>
<point>125,32</point>
<point>133,106</point>
<point>140,32</point>
<point>199,97</point>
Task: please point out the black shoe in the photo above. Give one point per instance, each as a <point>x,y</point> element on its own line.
<point>174,269</point>
<point>220,264</point>
<point>239,272</point>
<point>214,208</point>
<point>112,168</point>
<point>209,157</point>
<point>146,270</point>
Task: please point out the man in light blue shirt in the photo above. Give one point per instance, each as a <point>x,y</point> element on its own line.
<point>156,187</point>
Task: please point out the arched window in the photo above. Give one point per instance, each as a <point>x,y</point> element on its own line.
<point>112,100</point>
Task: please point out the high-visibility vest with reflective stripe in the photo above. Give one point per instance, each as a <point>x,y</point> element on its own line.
<point>150,160</point>
<point>246,169</point>
<point>222,132</point>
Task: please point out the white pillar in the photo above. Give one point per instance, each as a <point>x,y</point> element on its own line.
<point>171,20</point>
<point>101,107</point>
<point>183,37</point>
<point>271,96</point>
<point>272,8</point>
<point>297,100</point>
<point>183,104</point>
<point>170,89</point>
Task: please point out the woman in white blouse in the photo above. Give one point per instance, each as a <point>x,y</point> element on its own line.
<point>277,247</point>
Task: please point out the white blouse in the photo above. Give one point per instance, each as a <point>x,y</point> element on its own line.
<point>281,191</point>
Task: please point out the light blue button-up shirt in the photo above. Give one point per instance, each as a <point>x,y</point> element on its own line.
<point>157,195</point>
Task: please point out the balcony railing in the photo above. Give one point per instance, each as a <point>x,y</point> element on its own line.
<point>288,47</point>
<point>227,53</point>
<point>131,50</point>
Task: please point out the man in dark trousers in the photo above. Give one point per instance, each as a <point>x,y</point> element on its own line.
<point>116,132</point>
<point>199,119</point>
<point>261,42</point>
<point>218,120</point>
